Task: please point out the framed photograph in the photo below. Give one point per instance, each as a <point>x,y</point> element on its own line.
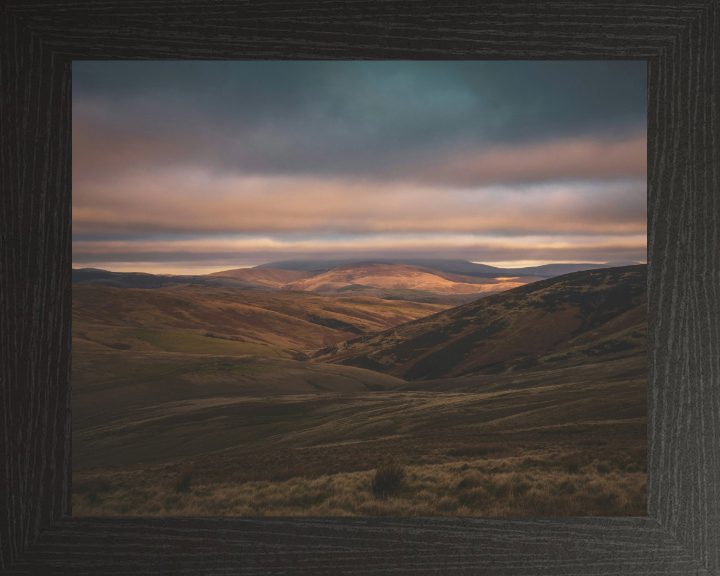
<point>297,291</point>
<point>359,288</point>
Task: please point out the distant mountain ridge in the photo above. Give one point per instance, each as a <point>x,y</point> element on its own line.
<point>97,277</point>
<point>434,281</point>
<point>385,281</point>
<point>452,266</point>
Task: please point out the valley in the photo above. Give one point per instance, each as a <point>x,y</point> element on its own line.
<point>193,399</point>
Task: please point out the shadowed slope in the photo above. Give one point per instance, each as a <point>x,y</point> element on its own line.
<point>108,383</point>
<point>356,425</point>
<point>578,318</point>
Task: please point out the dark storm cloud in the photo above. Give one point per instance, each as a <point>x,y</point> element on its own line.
<point>494,161</point>
<point>340,117</point>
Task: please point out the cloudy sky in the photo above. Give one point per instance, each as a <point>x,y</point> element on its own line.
<point>194,167</point>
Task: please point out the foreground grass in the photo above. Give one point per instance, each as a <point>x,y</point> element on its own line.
<point>571,442</point>
<point>539,483</point>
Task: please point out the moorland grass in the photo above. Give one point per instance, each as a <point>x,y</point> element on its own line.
<point>388,479</point>
<point>528,484</point>
<point>576,446</point>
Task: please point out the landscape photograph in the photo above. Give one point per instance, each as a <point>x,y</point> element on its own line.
<point>359,288</point>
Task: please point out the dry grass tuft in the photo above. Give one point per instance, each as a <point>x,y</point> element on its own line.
<point>468,482</point>
<point>567,487</point>
<point>91,488</point>
<point>574,462</point>
<point>602,468</point>
<point>391,490</point>
<point>184,478</point>
<point>388,479</point>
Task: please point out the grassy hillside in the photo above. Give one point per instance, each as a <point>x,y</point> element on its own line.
<point>579,318</point>
<point>130,318</point>
<point>107,383</point>
<point>252,404</point>
<point>196,400</point>
<point>575,446</point>
<point>378,280</point>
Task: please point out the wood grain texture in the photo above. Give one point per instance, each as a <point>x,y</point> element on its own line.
<point>680,41</point>
<point>34,288</point>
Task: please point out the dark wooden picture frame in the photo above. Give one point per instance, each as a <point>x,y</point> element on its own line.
<point>681,44</point>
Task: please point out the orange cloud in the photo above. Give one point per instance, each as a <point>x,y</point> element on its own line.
<point>529,245</point>
<point>197,201</point>
<point>583,158</point>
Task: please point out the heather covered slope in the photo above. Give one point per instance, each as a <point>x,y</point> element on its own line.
<point>579,318</point>
<point>403,277</point>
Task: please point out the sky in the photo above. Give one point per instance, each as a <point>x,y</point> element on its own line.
<point>195,167</point>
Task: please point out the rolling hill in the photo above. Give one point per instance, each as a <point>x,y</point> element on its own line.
<point>182,317</point>
<point>579,318</point>
<point>230,279</point>
<point>433,281</point>
<point>265,277</point>
<point>452,266</point>
<point>109,384</point>
<point>402,277</point>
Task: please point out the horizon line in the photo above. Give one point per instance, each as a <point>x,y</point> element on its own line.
<point>499,265</point>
